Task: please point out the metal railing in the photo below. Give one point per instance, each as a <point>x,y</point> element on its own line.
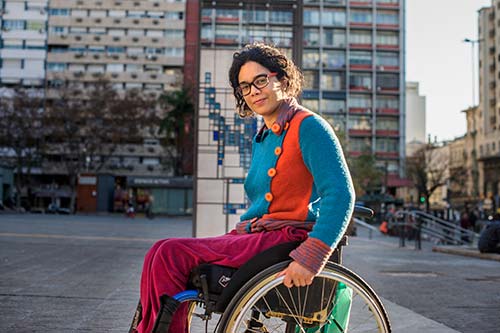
<point>417,223</point>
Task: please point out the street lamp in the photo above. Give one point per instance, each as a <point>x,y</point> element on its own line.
<point>472,43</point>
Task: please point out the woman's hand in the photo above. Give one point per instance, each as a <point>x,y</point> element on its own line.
<point>296,275</point>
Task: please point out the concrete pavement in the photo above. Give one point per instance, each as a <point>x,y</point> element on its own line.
<point>81,273</point>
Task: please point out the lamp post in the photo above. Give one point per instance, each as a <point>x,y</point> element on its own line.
<point>472,43</point>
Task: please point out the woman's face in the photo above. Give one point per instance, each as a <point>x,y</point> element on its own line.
<point>265,100</point>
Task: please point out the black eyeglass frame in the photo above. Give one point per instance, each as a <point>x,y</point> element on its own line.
<point>249,85</point>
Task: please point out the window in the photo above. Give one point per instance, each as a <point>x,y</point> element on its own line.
<point>360,81</point>
<point>174,33</point>
<point>360,17</point>
<point>387,102</point>
<point>311,17</point>
<point>388,59</point>
<point>387,38</point>
<point>136,13</point>
<point>360,38</point>
<point>174,51</point>
<point>231,14</point>
<point>97,13</point>
<point>387,145</point>
<point>56,30</point>
<point>78,30</point>
<point>56,66</point>
<point>116,32</point>
<point>281,17</point>
<point>117,13</point>
<point>333,106</point>
<point>226,32</point>
<point>360,144</point>
<point>255,16</point>
<point>35,25</point>
<point>154,33</point>
<point>59,12</point>
<point>155,14</point>
<point>311,37</point>
<point>13,24</point>
<point>135,32</point>
<point>97,31</point>
<point>115,68</point>
<point>360,58</point>
<point>391,124</point>
<point>310,58</point>
<point>115,49</point>
<point>360,101</point>
<point>206,32</point>
<point>357,122</point>
<point>311,80</point>
<point>387,18</point>
<point>78,13</point>
<point>335,38</point>
<point>333,81</point>
<point>174,15</point>
<point>388,81</point>
<point>311,104</point>
<point>333,18</point>
<point>333,59</point>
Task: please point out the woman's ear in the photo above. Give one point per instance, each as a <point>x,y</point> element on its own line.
<point>284,84</point>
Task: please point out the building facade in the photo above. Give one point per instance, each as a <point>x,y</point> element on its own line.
<point>23,38</point>
<point>415,117</point>
<point>487,119</point>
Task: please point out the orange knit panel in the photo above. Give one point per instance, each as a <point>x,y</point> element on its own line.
<point>291,187</point>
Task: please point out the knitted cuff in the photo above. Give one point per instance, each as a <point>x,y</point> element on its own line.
<point>312,254</point>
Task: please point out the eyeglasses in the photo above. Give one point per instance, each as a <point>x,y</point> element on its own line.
<point>261,81</point>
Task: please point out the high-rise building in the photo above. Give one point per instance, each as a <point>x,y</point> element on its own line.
<point>23,38</point>
<point>487,119</point>
<point>352,56</point>
<point>134,44</point>
<point>415,118</point>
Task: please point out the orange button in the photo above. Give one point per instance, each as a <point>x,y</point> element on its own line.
<point>287,125</point>
<point>277,151</point>
<point>271,172</point>
<point>269,197</point>
<point>275,128</point>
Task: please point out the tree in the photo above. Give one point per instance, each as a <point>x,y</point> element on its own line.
<point>428,168</point>
<point>86,128</point>
<point>367,178</point>
<point>21,135</point>
<point>176,128</point>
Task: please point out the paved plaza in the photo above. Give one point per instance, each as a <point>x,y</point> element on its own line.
<point>81,274</point>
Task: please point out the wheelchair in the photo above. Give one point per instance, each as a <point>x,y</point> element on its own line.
<point>251,299</point>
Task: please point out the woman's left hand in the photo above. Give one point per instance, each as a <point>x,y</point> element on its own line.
<point>296,275</point>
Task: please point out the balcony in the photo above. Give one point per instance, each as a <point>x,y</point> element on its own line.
<point>360,110</point>
<point>360,132</point>
<point>360,46</point>
<point>387,154</point>
<point>385,68</point>
<point>387,133</point>
<point>360,66</point>
<point>388,111</point>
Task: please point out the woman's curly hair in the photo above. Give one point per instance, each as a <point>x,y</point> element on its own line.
<point>271,58</point>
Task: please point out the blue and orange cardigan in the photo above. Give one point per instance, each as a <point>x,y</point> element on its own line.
<point>299,177</point>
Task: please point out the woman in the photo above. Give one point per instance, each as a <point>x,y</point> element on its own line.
<point>298,184</point>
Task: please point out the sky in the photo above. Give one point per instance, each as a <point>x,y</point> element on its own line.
<point>441,62</point>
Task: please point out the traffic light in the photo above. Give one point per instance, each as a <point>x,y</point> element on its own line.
<point>422,199</point>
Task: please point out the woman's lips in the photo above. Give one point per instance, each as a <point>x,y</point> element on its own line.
<point>259,102</point>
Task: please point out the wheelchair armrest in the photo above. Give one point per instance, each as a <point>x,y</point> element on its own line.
<point>362,211</point>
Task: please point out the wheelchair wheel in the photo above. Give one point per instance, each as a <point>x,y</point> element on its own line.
<point>337,301</point>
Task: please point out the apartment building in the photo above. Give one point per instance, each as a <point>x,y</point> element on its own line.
<point>352,56</point>
<point>134,44</point>
<point>487,118</point>
<point>23,38</point>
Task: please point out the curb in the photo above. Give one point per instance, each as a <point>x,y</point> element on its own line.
<point>467,252</point>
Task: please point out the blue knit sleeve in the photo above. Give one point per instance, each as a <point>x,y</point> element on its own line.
<point>324,158</point>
